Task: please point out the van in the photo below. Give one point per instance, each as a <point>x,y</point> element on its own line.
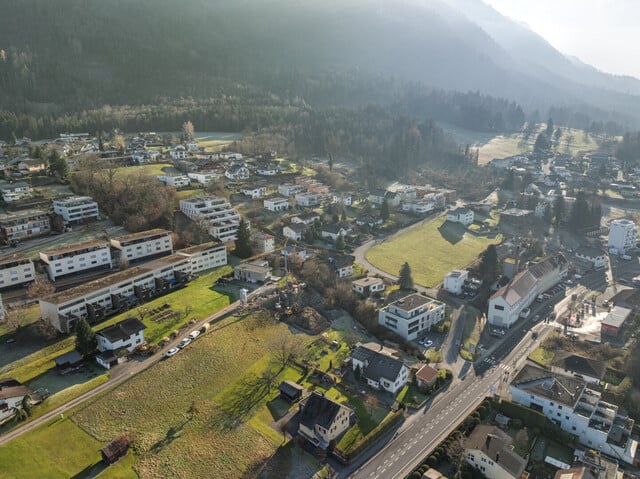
<point>525,313</point>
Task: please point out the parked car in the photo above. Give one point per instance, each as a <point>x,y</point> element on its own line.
<point>605,303</point>
<point>184,343</point>
<point>194,334</point>
<point>171,352</point>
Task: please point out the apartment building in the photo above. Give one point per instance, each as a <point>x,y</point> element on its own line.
<point>82,257</point>
<point>412,315</point>
<point>24,224</point>
<point>309,199</point>
<point>577,409</point>
<point>254,192</point>
<point>289,189</point>
<point>205,256</point>
<point>11,192</point>
<point>177,181</point>
<point>115,293</point>
<point>623,236</point>
<point>145,244</point>
<point>204,177</point>
<point>276,204</point>
<point>463,216</point>
<point>76,209</point>
<point>16,269</point>
<point>454,281</point>
<point>220,217</point>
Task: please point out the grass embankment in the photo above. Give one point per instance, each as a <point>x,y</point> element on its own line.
<point>432,250</point>
<point>471,333</point>
<point>38,363</point>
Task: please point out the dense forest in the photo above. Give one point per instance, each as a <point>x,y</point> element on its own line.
<point>629,148</point>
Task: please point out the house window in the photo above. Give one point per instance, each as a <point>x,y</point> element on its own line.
<point>498,307</point>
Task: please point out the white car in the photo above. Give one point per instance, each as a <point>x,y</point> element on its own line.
<point>184,343</point>
<point>194,334</point>
<point>171,352</point>
<point>428,343</point>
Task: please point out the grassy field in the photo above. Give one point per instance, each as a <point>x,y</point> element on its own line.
<point>432,250</point>
<point>150,169</point>
<point>542,356</point>
<point>471,332</point>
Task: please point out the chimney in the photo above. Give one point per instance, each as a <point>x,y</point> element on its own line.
<point>497,457</point>
<point>487,442</point>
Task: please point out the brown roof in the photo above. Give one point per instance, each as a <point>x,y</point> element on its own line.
<point>75,247</point>
<point>495,444</point>
<point>115,449</point>
<point>13,257</point>
<point>10,388</point>
<point>426,374</point>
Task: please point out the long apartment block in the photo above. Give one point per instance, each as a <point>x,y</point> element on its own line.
<point>15,270</point>
<point>82,257</point>
<point>76,209</point>
<point>205,256</point>
<point>24,224</point>
<point>221,219</point>
<point>145,244</point>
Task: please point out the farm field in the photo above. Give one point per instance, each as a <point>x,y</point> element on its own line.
<point>432,250</point>
<point>150,169</point>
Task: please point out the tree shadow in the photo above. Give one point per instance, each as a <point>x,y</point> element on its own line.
<point>90,471</point>
<point>452,233</point>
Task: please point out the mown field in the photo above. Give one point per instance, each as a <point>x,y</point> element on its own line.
<point>432,250</point>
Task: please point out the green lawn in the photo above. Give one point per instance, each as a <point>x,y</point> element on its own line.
<point>150,169</point>
<point>542,356</point>
<point>432,250</point>
<point>471,332</point>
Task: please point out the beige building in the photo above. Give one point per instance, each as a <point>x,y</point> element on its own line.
<point>322,420</point>
<point>488,449</point>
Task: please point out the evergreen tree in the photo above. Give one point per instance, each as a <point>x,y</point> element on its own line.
<point>26,405</point>
<point>580,215</point>
<point>86,342</point>
<point>489,264</point>
<point>243,243</point>
<point>405,280</point>
<point>559,209</point>
<point>384,210</point>
<point>340,244</point>
<point>549,130</point>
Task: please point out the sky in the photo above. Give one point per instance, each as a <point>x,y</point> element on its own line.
<point>602,33</point>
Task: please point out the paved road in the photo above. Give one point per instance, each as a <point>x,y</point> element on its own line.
<point>119,374</point>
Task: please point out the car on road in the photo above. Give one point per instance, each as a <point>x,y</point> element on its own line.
<point>605,303</point>
<point>194,334</point>
<point>184,343</point>
<point>427,342</point>
<point>171,352</point>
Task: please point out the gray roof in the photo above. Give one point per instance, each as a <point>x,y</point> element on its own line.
<point>12,186</point>
<point>319,409</point>
<point>411,302</point>
<point>517,288</point>
<point>616,317</point>
<point>72,357</point>
<point>579,364</point>
<point>122,330</point>
<point>379,365</point>
<point>589,251</point>
<point>496,444</point>
<point>537,381</point>
<point>297,227</point>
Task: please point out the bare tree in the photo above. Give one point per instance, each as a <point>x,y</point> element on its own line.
<point>188,132</point>
<point>118,143</point>
<point>285,348</point>
<point>40,288</point>
<point>15,318</point>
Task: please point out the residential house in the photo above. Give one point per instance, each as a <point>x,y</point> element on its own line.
<point>253,272</point>
<point>276,203</point>
<point>332,231</point>
<point>145,244</point>
<point>463,216</point>
<point>214,213</point>
<point>205,256</point>
<point>323,420</point>
<point>490,450</point>
<point>178,152</point>
<point>376,196</point>
<point>426,376</point>
<point>454,281</point>
<point>368,285</point>
<point>342,265</point>
<point>117,292</point>
<point>294,231</point>
<point>309,199</point>
<point>342,199</point>
<point>293,254</point>
<point>289,189</point>
<point>177,181</point>
<point>192,146</point>
<point>15,191</point>
<point>623,236</point>
<point>312,185</point>
<point>81,257</point>
<point>591,371</point>
<point>12,393</point>
<point>577,409</point>
<point>31,165</point>
<point>76,209</point>
<point>118,340</point>
<point>381,371</point>
<point>614,321</point>
<point>267,168</point>
<point>418,206</point>
<point>16,269</point>
<point>204,177</point>
<point>595,256</point>
<point>263,242</point>
<point>254,192</point>
<point>411,315</point>
<point>24,224</point>
<point>237,172</point>
<point>369,220</point>
<point>306,218</point>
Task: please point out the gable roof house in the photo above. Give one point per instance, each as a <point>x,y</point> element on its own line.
<point>12,393</point>
<point>117,340</point>
<point>489,450</point>
<point>294,231</point>
<point>31,165</point>
<point>587,369</point>
<point>332,231</point>
<point>237,172</point>
<point>380,370</point>
<point>342,265</point>
<point>323,420</point>
<point>15,191</point>
<point>267,168</point>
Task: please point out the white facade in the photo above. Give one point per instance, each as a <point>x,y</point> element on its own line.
<point>454,281</point>
<point>237,172</point>
<point>154,242</point>
<point>577,410</point>
<point>345,200</point>
<point>592,255</point>
<point>76,209</point>
<point>411,315</point>
<point>205,256</point>
<point>11,395</point>
<point>623,235</point>
<point>15,270</point>
<point>15,191</point>
<point>490,450</point>
<point>463,216</point>
<point>289,189</point>
<point>24,224</point>
<point>368,285</point>
<point>219,216</point>
<point>108,341</point>
<point>73,259</point>
<point>254,192</point>
<point>276,204</point>
<point>308,199</point>
<point>105,294</point>
<point>294,232</point>
<point>264,243</point>
<point>177,181</point>
<point>419,206</point>
<point>204,177</point>
<point>178,153</point>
